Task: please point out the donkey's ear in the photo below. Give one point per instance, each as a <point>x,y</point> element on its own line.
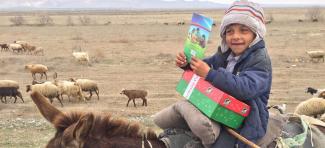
<point>47,110</point>
<point>83,127</point>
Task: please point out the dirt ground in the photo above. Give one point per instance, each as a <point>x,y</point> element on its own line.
<point>136,50</point>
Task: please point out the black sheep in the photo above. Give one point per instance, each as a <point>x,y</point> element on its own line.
<point>10,91</point>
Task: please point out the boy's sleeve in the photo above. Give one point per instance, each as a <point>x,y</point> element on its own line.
<point>246,85</point>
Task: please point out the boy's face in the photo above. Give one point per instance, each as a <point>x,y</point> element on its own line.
<point>238,38</point>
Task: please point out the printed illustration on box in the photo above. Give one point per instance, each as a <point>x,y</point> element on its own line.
<point>198,36</point>
<point>213,102</point>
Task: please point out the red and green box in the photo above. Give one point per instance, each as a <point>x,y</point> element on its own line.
<point>213,102</point>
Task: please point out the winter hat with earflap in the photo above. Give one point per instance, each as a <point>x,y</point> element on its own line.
<point>246,13</point>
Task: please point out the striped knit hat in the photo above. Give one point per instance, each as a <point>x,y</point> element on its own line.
<point>246,13</point>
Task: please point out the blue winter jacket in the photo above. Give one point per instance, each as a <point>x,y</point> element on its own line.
<point>250,82</point>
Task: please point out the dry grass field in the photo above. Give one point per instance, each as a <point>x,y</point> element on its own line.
<point>136,50</point>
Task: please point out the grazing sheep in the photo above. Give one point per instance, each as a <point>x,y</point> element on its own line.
<point>22,43</point>
<point>16,48</point>
<point>87,85</point>
<point>317,54</point>
<point>9,83</point>
<point>4,47</point>
<point>70,89</point>
<point>11,92</point>
<point>9,88</point>
<point>133,94</point>
<point>39,51</point>
<point>37,68</point>
<point>319,93</point>
<point>48,89</point>
<point>81,57</point>
<point>29,48</point>
<point>311,107</point>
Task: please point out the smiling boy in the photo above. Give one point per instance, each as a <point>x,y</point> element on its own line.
<point>241,67</point>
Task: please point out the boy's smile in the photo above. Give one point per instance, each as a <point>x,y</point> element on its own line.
<point>238,38</point>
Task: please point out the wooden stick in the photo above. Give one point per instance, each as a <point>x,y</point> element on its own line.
<point>241,138</point>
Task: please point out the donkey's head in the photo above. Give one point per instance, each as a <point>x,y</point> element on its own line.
<point>86,130</point>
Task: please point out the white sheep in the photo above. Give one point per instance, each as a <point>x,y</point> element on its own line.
<point>16,47</point>
<point>22,43</point>
<point>88,86</point>
<point>47,89</point>
<point>37,68</point>
<point>317,54</point>
<point>9,83</point>
<point>70,89</point>
<point>311,107</point>
<point>81,57</point>
<point>39,51</point>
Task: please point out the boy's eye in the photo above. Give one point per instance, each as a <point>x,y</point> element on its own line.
<point>228,31</point>
<point>244,30</point>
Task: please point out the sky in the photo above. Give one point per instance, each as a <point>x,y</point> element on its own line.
<point>7,4</point>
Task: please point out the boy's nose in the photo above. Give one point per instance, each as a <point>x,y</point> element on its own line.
<point>236,35</point>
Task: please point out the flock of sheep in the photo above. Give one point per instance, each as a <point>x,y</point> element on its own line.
<point>57,88</point>
<point>50,89</point>
<point>20,47</point>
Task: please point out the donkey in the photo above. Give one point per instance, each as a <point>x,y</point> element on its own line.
<point>88,130</point>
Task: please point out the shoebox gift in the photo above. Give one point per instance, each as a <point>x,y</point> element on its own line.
<point>213,102</point>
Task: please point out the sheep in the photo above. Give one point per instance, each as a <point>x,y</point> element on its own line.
<point>9,88</point>
<point>319,93</point>
<point>16,47</point>
<point>47,89</point>
<point>87,85</point>
<point>22,43</point>
<point>39,51</point>
<point>37,68</point>
<point>70,89</point>
<point>317,54</point>
<point>29,48</point>
<point>4,47</point>
<point>311,107</point>
<point>133,94</point>
<point>10,91</point>
<point>9,83</point>
<point>81,57</point>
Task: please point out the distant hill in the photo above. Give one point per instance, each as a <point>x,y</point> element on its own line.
<point>114,4</point>
<point>8,5</point>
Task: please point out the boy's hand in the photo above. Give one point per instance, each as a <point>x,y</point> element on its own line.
<point>181,59</point>
<point>199,67</point>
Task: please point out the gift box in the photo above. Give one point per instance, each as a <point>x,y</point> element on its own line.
<point>213,102</point>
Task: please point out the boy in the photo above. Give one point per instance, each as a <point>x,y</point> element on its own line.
<point>241,68</point>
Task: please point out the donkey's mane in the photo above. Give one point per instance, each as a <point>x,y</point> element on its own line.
<point>108,125</point>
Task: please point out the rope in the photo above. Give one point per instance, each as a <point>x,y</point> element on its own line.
<point>144,137</point>
<point>311,135</point>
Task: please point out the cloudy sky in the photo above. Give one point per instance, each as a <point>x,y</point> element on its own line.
<point>138,3</point>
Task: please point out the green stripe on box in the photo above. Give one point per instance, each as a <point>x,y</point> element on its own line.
<point>210,108</point>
